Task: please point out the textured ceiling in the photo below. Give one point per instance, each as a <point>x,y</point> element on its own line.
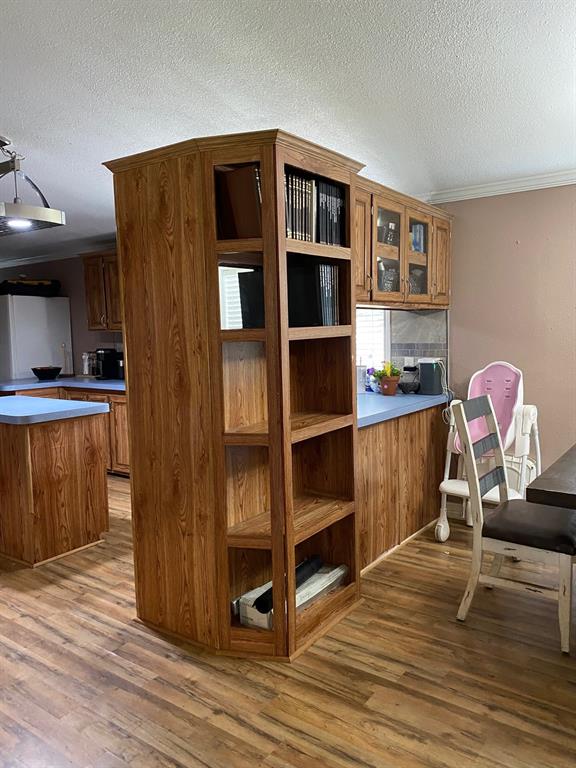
<point>429,94</point>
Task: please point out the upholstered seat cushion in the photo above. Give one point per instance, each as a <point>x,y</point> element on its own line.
<point>533,525</point>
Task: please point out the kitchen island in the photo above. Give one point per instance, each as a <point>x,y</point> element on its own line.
<point>53,489</point>
<point>401,451</point>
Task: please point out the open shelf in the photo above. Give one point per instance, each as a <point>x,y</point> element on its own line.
<point>242,334</point>
<point>244,388</point>
<point>246,246</point>
<point>238,197</point>
<point>318,249</point>
<point>304,425</point>
<point>319,332</point>
<point>248,495</point>
<point>308,424</point>
<point>312,513</point>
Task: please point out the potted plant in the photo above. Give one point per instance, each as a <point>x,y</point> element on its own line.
<point>388,378</point>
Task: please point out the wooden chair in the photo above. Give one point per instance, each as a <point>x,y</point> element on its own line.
<point>516,528</point>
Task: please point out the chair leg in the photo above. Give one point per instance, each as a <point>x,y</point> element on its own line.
<point>495,567</point>
<point>565,600</point>
<point>472,583</point>
<point>442,531</point>
<point>468,513</point>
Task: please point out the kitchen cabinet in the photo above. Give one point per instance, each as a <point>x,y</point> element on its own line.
<point>405,262</point>
<point>101,279</point>
<point>362,238</point>
<point>54,392</point>
<point>119,450</point>
<point>400,467</point>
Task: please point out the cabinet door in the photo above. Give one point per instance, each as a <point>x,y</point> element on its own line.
<point>95,293</point>
<point>112,287</point>
<point>361,244</point>
<point>388,234</point>
<point>120,457</point>
<point>442,262</point>
<point>419,260</point>
<point>95,398</point>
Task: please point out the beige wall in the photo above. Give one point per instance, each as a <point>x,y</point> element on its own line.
<point>70,273</point>
<point>514,298</point>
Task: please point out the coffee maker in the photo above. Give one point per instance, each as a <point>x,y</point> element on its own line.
<point>109,364</point>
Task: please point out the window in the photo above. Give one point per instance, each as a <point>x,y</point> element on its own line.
<point>372,337</point>
<point>230,303</point>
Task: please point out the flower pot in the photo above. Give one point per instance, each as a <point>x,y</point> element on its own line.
<point>389,385</point>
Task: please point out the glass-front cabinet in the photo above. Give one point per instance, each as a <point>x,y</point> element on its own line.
<point>418,270</point>
<point>388,245</point>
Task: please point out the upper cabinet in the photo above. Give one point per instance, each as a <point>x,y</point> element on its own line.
<point>101,281</point>
<point>402,253</point>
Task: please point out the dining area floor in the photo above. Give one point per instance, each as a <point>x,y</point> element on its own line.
<point>399,683</point>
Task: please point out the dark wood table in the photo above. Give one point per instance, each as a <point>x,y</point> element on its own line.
<point>557,485</point>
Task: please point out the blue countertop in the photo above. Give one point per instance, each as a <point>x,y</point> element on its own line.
<point>374,408</point>
<point>79,382</point>
<point>36,410</point>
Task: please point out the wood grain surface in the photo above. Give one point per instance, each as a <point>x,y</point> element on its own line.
<point>398,683</point>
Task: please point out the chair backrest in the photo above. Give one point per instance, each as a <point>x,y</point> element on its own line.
<point>480,409</point>
<point>504,384</point>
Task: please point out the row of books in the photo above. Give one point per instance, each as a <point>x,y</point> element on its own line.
<point>313,295</point>
<point>315,209</point>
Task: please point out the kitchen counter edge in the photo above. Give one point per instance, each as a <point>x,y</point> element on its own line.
<point>374,408</point>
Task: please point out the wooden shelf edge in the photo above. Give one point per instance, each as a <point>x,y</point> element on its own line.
<point>318,249</point>
<point>325,517</point>
<point>243,334</point>
<point>318,617</point>
<point>319,332</point>
<point>331,423</point>
<point>239,246</point>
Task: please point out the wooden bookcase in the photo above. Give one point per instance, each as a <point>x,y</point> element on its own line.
<point>242,439</point>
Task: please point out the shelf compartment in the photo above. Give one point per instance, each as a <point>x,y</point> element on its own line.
<point>248,495</point>
<point>321,385</point>
<point>238,199</point>
<point>248,568</point>
<point>241,290</point>
<point>252,434</point>
<point>319,332</point>
<point>244,388</point>
<point>312,513</point>
<point>309,424</point>
<point>318,249</point>
<point>314,620</point>
<point>323,466</point>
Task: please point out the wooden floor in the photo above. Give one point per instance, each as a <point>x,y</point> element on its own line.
<point>398,684</point>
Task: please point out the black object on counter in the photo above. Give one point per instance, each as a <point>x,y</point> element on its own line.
<point>46,372</point>
<point>304,571</point>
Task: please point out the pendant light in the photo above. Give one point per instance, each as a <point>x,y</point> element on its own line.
<point>19,217</point>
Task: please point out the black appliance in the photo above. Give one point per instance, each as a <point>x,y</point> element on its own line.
<point>107,364</point>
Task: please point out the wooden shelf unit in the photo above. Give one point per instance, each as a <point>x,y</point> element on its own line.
<point>243,440</point>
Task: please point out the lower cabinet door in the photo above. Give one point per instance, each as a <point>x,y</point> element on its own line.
<point>93,398</point>
<point>120,456</point>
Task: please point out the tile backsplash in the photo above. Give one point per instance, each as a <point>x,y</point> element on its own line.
<point>418,333</point>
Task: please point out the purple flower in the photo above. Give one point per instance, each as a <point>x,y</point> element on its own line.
<point>370,371</point>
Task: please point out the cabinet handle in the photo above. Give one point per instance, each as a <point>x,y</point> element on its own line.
<point>102,319</point>
<point>369,278</point>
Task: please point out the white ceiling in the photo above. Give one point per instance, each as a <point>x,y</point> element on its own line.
<point>430,94</point>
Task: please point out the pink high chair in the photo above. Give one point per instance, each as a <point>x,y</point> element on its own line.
<point>518,426</point>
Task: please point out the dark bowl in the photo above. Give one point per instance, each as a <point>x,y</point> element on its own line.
<point>409,387</point>
<point>46,372</point>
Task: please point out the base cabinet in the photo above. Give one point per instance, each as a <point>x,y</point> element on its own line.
<point>400,466</point>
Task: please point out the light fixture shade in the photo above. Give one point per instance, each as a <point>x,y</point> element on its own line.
<point>39,217</point>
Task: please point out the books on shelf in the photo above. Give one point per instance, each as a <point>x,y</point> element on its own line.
<point>315,209</point>
<point>313,293</point>
<point>327,578</point>
<point>238,202</point>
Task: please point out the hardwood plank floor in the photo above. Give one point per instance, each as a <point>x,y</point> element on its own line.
<point>399,683</point>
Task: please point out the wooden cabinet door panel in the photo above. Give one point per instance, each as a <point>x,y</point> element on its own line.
<point>442,262</point>
<point>96,398</point>
<point>112,287</point>
<point>418,258</point>
<point>388,251</point>
<point>361,246</point>
<point>120,455</point>
<point>95,293</point>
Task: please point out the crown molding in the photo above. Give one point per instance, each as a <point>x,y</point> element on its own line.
<point>523,184</point>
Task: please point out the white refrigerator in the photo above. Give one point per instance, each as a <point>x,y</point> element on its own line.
<point>34,331</point>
